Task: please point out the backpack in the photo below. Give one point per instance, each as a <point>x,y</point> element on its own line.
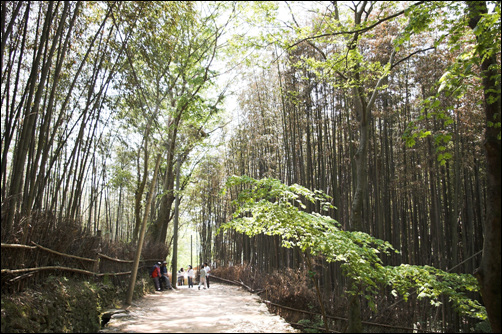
<point>151,270</point>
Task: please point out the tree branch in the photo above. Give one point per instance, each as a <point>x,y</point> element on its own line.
<point>410,55</point>
<point>357,30</point>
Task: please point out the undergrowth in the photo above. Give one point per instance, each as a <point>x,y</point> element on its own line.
<point>67,237</point>
<point>289,287</point>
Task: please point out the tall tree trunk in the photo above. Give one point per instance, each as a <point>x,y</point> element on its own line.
<point>141,239</point>
<point>138,195</point>
<point>362,110</point>
<point>29,119</point>
<point>489,272</point>
<point>175,227</point>
<point>356,224</point>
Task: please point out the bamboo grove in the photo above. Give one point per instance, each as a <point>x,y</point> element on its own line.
<point>389,108</point>
<point>425,181</point>
<point>89,96</point>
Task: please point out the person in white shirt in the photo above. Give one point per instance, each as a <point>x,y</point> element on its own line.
<point>181,277</point>
<point>208,269</point>
<point>190,276</point>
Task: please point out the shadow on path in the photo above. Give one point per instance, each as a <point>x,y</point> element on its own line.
<point>220,309</point>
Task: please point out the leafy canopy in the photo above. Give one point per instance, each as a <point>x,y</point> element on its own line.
<point>268,206</point>
<point>463,76</point>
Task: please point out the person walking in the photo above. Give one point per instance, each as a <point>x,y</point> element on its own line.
<point>208,269</point>
<point>190,276</point>
<point>202,279</point>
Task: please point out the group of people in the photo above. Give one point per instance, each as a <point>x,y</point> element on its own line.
<point>161,279</point>
<point>186,274</point>
<point>204,275</point>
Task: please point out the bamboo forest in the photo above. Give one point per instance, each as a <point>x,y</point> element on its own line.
<point>251,166</point>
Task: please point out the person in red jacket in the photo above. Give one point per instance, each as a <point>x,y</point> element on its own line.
<point>156,276</point>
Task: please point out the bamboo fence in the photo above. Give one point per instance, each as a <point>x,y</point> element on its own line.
<point>27,272</point>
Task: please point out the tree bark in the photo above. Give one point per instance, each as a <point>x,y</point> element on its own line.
<point>29,120</point>
<point>141,239</point>
<point>489,272</point>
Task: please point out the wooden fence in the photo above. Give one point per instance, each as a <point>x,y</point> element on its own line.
<point>96,267</point>
<point>277,307</point>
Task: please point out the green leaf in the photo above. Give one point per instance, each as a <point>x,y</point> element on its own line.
<point>358,252</point>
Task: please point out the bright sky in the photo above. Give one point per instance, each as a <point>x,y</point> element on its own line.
<point>233,78</point>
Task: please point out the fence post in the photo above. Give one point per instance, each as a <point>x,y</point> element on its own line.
<point>95,269</point>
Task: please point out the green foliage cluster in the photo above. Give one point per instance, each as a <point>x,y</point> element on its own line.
<point>270,207</point>
<point>432,283</point>
<point>462,76</point>
<point>311,326</point>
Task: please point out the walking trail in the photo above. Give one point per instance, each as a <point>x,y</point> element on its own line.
<point>220,309</point>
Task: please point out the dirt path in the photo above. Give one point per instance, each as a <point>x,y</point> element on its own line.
<point>220,309</point>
